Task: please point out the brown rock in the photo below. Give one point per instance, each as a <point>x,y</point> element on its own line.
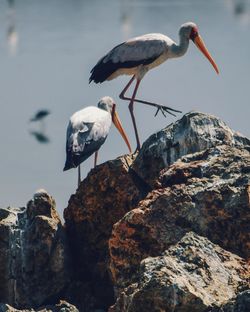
<point>194,132</point>
<point>194,275</point>
<point>109,191</point>
<point>33,253</point>
<point>207,192</point>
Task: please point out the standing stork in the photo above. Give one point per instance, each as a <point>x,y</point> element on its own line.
<point>140,54</point>
<point>88,130</point>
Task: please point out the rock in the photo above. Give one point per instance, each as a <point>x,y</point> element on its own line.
<point>206,192</point>
<point>194,275</point>
<point>140,233</point>
<point>239,304</point>
<point>109,191</point>
<point>63,306</point>
<point>194,132</point>
<point>34,256</point>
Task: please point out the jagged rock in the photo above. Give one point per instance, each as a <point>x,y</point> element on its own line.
<point>34,261</point>
<point>194,275</point>
<point>194,132</point>
<point>123,225</point>
<point>63,306</point>
<point>108,192</point>
<point>197,197</point>
<point>207,192</point>
<point>239,304</point>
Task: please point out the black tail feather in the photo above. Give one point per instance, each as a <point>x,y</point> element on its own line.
<point>102,71</point>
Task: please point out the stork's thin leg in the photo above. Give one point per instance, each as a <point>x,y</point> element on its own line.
<point>131,109</point>
<point>79,175</point>
<point>96,155</point>
<point>159,107</point>
<point>122,95</point>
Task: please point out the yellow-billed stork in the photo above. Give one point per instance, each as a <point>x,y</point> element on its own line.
<point>140,54</point>
<point>87,131</point>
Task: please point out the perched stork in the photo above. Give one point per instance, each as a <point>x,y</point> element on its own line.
<point>138,55</point>
<point>87,131</point>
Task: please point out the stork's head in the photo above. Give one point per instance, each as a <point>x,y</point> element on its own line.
<point>107,103</point>
<point>190,31</point>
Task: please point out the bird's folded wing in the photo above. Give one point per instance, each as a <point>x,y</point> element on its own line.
<point>127,55</point>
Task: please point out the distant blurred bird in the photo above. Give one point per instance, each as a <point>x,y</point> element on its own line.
<point>40,137</point>
<point>138,55</point>
<point>41,114</point>
<point>87,131</point>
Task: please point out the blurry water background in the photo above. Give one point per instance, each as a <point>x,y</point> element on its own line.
<point>47,49</point>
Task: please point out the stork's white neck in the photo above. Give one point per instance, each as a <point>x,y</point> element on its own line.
<point>181,48</point>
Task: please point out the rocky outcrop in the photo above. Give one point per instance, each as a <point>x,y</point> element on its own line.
<point>34,258</point>
<point>206,192</point>
<point>193,275</point>
<point>109,191</point>
<point>194,132</point>
<point>164,230</point>
<point>62,306</point>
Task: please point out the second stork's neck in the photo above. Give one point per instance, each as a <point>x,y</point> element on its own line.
<point>181,48</point>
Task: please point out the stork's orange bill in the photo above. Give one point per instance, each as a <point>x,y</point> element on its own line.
<point>201,46</point>
<point>117,123</point>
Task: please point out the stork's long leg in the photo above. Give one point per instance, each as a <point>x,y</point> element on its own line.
<point>159,107</point>
<point>131,109</point>
<point>96,155</point>
<point>79,175</point>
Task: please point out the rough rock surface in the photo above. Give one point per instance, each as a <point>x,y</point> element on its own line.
<point>194,132</point>
<point>108,192</point>
<point>34,266</point>
<point>194,275</point>
<point>128,240</point>
<point>63,306</point>
<point>239,304</point>
<point>206,192</point>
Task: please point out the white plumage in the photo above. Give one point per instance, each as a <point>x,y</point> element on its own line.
<point>91,121</point>
<point>87,131</point>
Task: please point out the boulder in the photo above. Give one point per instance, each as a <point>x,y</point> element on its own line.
<point>193,275</point>
<point>206,192</point>
<point>109,191</point>
<point>34,258</point>
<point>194,132</point>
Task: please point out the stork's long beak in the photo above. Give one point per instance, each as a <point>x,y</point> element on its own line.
<point>117,123</point>
<point>201,46</point>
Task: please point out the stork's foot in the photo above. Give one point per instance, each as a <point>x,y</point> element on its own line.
<point>134,154</point>
<point>137,150</point>
<point>166,109</point>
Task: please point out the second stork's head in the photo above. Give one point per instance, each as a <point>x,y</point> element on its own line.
<point>107,103</point>
<point>190,31</point>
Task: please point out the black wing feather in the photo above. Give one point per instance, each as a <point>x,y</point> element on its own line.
<point>102,70</point>
<point>86,146</point>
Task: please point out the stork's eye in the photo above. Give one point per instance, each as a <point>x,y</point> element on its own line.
<point>194,33</point>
